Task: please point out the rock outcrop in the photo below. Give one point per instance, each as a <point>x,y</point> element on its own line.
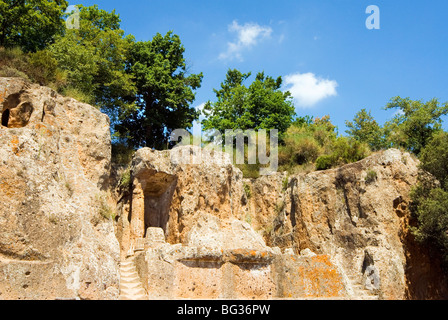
<point>341,233</point>
<point>189,225</point>
<point>57,240</point>
<point>171,196</point>
<point>357,214</point>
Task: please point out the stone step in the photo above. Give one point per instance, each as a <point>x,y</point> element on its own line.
<point>127,297</point>
<point>130,279</point>
<point>129,273</point>
<point>127,268</point>
<point>134,291</point>
<point>130,285</point>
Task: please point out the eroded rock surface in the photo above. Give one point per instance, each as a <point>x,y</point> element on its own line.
<point>192,225</point>
<point>359,216</point>
<point>340,233</point>
<point>54,171</point>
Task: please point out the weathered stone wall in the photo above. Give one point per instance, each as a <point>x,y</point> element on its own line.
<point>361,224</point>
<point>357,226</point>
<point>54,170</point>
<point>172,195</point>
<point>330,234</point>
<point>241,268</point>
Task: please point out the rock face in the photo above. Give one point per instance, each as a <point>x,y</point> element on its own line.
<point>341,233</point>
<point>355,214</point>
<point>171,196</point>
<point>189,222</point>
<point>54,168</point>
<point>359,216</point>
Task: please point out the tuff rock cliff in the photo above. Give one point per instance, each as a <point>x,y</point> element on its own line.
<point>202,231</point>
<point>182,230</point>
<point>54,172</point>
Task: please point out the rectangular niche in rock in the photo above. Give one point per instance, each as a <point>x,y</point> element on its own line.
<point>158,194</point>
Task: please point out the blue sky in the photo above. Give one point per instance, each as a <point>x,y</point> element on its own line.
<point>327,57</point>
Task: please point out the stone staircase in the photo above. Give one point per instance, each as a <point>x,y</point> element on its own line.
<point>130,284</point>
<point>359,290</point>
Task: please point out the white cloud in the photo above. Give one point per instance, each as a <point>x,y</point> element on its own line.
<point>307,89</point>
<point>248,35</point>
<point>281,38</point>
<point>200,107</point>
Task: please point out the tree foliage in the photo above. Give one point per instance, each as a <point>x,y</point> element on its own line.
<point>344,150</point>
<point>262,105</point>
<point>434,158</point>
<point>144,87</point>
<point>94,59</point>
<point>30,24</point>
<point>364,128</point>
<point>430,199</point>
<point>414,123</point>
<point>316,141</point>
<point>164,92</point>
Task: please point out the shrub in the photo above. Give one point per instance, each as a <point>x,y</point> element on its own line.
<point>344,151</point>
<point>433,221</point>
<point>7,71</point>
<point>284,155</point>
<point>305,150</point>
<point>247,191</point>
<point>371,176</point>
<point>309,141</point>
<point>250,171</point>
<point>349,150</point>
<point>325,162</point>
<point>300,147</point>
<point>125,179</point>
<point>78,94</point>
<point>13,63</point>
<point>43,67</point>
<point>430,196</point>
<point>39,67</point>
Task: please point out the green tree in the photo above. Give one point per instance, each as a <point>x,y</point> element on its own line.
<point>432,214</point>
<point>262,105</point>
<point>430,199</point>
<point>302,121</point>
<point>364,128</point>
<point>164,93</point>
<point>415,123</point>
<point>94,59</point>
<point>31,24</point>
<point>434,158</point>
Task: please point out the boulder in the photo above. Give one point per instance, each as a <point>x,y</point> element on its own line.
<point>57,238</point>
